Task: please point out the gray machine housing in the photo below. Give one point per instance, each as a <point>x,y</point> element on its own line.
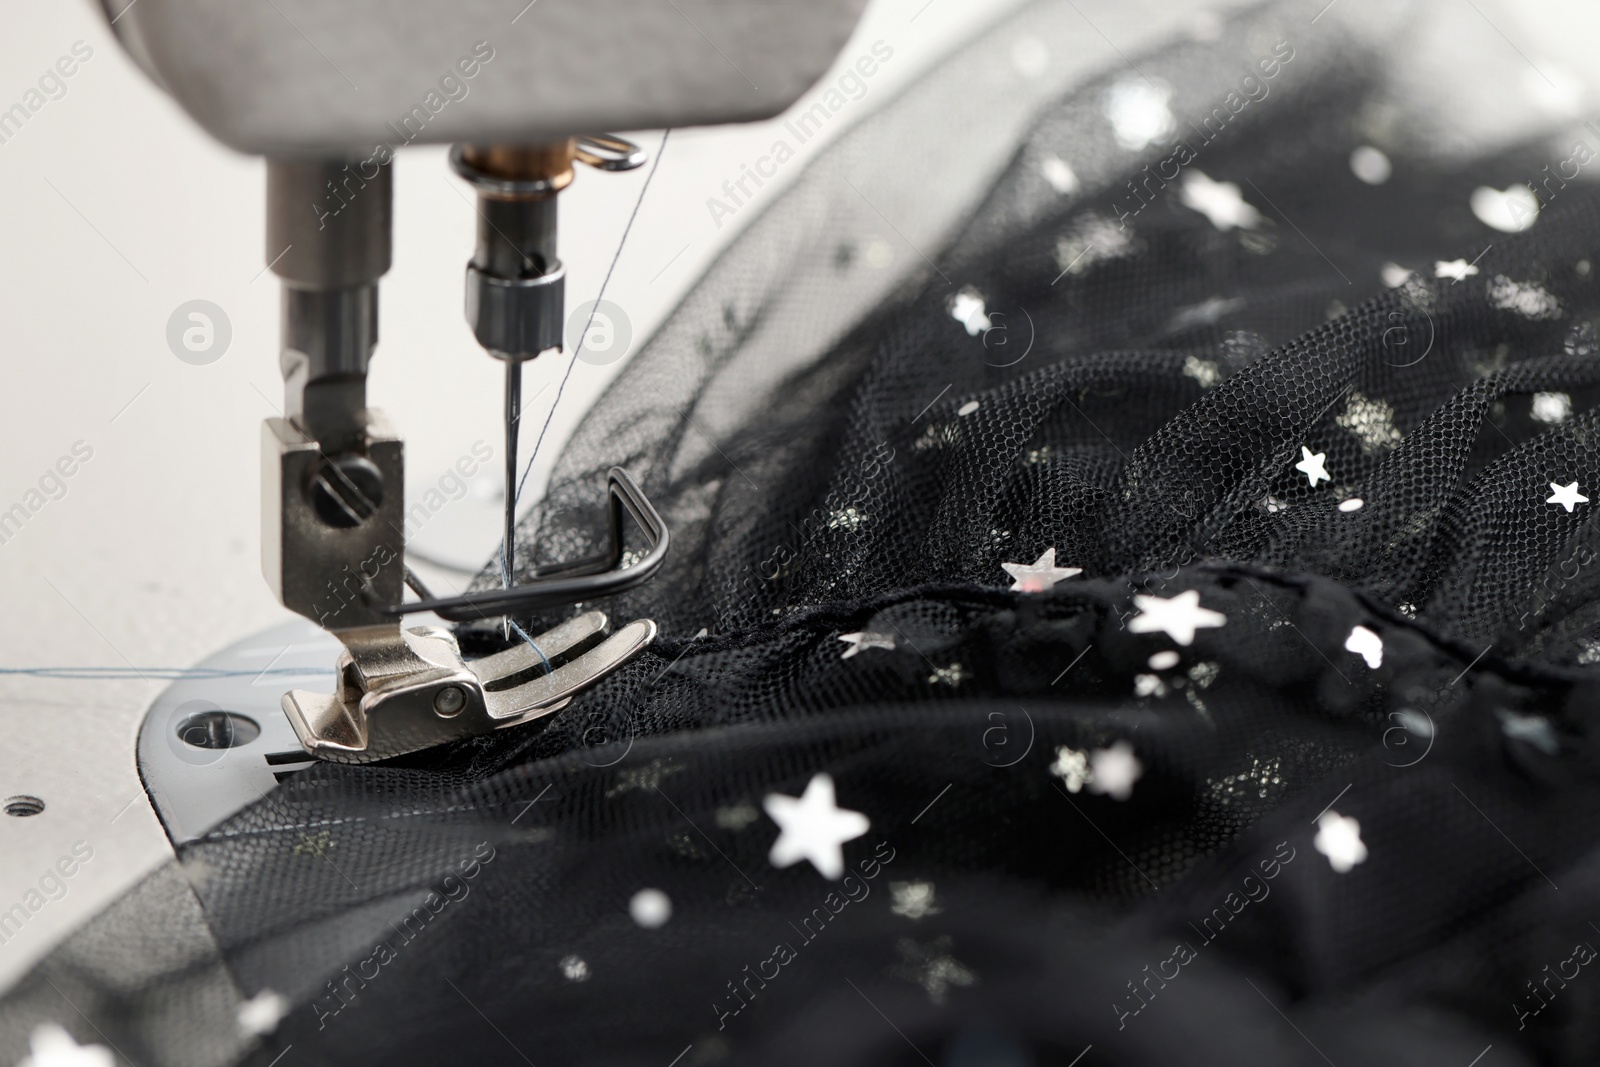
<point>336,77</point>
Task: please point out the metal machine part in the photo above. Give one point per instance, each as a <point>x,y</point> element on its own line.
<point>333,472</point>
<point>516,285</point>
<point>606,573</point>
<point>329,571</point>
<point>388,704</point>
<point>333,540</point>
<point>399,690</point>
<point>308,77</point>
<point>330,260</point>
<point>215,743</point>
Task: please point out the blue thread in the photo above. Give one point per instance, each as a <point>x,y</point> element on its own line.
<point>108,674</point>
<point>524,635</point>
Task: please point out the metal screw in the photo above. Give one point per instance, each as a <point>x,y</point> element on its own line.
<point>348,491</point>
<point>449,701</point>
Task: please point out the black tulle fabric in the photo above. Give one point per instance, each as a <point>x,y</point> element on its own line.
<point>1141,413</point>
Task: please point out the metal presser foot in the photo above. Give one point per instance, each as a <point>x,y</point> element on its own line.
<point>396,698</point>
<point>400,690</point>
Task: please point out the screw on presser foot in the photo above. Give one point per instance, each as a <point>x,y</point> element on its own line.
<point>448,702</point>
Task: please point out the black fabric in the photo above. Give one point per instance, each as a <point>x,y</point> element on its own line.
<point>996,913</point>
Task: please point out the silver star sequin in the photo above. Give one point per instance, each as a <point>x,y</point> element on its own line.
<point>1040,575</point>
<point>1339,839</point>
<point>261,1014</point>
<point>1366,644</point>
<point>1072,767</point>
<point>1567,496</point>
<point>52,1046</point>
<point>1115,769</point>
<point>644,779</point>
<point>1311,465</point>
<point>813,827</point>
<point>1454,269</point>
<point>1179,616</point>
<point>932,967</point>
<point>1533,729</point>
<point>864,639</point>
<point>912,900</point>
<point>1220,202</point>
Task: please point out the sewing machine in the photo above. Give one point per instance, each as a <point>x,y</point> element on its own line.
<point>328,94</point>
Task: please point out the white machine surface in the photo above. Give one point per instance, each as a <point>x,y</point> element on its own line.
<point>137,468</point>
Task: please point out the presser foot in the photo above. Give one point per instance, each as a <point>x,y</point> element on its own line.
<point>402,690</point>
